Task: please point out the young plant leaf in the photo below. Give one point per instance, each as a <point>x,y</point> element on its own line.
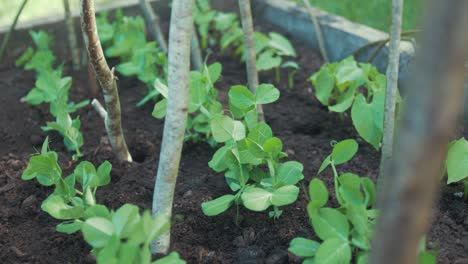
<point>256,199</point>
<point>344,151</point>
<point>241,97</point>
<point>224,129</point>
<point>329,223</point>
<point>303,247</point>
<point>333,251</point>
<point>457,161</point>
<point>218,205</point>
<point>284,195</point>
<point>266,93</point>
<point>318,193</point>
<point>290,172</point>
<point>69,227</point>
<point>97,231</point>
<point>368,117</point>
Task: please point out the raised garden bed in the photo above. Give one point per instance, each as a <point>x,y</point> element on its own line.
<point>27,235</point>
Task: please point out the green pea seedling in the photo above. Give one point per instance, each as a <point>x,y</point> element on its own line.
<point>348,228</point>
<point>338,86</point>
<point>216,26</point>
<point>203,103</point>
<point>249,147</point>
<point>52,88</point>
<point>147,62</point>
<point>121,236</point>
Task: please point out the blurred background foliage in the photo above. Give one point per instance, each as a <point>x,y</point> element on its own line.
<point>374,13</point>
<point>36,9</point>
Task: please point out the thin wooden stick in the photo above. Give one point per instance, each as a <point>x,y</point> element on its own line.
<point>391,90</point>
<point>152,21</point>
<point>106,79</point>
<point>433,104</point>
<point>176,118</point>
<point>197,60</point>
<point>6,39</point>
<point>250,54</point>
<point>72,43</point>
<point>318,31</point>
<point>99,109</point>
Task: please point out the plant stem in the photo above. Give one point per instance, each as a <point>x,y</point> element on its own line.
<point>152,21</point>
<point>176,118</point>
<point>434,99</point>
<point>250,54</point>
<point>318,32</point>
<point>12,28</point>
<point>75,52</point>
<point>106,78</point>
<point>391,90</point>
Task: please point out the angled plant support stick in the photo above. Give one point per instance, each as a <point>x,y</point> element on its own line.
<point>250,53</point>
<point>197,60</point>
<point>106,78</point>
<point>391,90</point>
<point>318,31</point>
<point>12,28</point>
<point>176,118</point>
<point>75,52</point>
<point>433,105</point>
<point>152,20</point>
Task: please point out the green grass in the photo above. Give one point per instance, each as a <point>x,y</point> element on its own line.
<point>35,9</point>
<point>374,13</point>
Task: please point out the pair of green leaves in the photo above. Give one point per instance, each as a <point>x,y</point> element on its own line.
<point>343,229</point>
<point>337,85</point>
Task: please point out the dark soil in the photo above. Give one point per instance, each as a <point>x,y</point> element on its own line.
<point>27,235</point>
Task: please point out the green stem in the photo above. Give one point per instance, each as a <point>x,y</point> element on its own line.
<point>335,180</point>
<point>277,74</point>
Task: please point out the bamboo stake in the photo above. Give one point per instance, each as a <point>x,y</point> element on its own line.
<point>152,20</point>
<point>176,118</point>
<point>391,90</point>
<point>106,79</point>
<point>6,39</point>
<point>434,101</point>
<point>318,31</point>
<point>73,45</point>
<point>250,54</point>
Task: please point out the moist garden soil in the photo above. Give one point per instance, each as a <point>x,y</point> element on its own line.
<point>27,235</point>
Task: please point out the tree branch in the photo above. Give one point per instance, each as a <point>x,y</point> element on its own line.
<point>434,100</point>
<point>106,79</point>
<point>176,118</point>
